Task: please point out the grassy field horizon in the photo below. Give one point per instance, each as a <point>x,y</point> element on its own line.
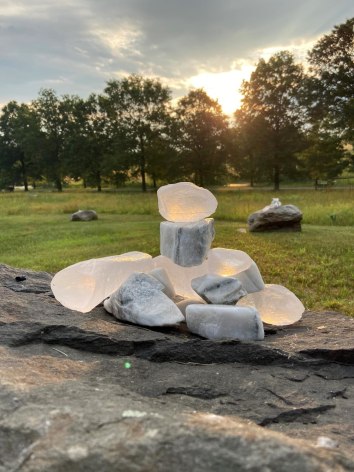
<point>316,264</point>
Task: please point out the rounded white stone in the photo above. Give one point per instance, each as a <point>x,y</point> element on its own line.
<point>276,304</point>
<point>84,285</point>
<point>185,202</point>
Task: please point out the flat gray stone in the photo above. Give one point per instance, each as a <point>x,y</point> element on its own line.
<point>217,289</point>
<point>281,218</point>
<point>220,322</point>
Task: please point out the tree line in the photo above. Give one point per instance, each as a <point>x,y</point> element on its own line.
<point>292,123</point>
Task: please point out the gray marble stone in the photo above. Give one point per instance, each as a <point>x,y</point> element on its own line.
<point>140,300</point>
<point>218,322</point>
<point>186,244</point>
<point>217,289</point>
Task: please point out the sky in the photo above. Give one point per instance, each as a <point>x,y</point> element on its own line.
<point>75,46</point>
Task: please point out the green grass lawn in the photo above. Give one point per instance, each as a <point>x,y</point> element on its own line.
<point>317,264</point>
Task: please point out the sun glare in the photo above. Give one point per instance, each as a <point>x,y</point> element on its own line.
<point>223,86</point>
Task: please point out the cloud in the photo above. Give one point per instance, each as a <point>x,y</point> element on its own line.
<point>74,46</point>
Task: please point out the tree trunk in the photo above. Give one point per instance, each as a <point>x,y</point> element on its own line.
<point>58,184</point>
<point>276,177</point>
<point>154,181</point>
<point>142,164</point>
<point>24,175</point>
<point>84,183</point>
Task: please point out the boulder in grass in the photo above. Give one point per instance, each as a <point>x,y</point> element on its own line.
<point>84,215</point>
<point>272,218</point>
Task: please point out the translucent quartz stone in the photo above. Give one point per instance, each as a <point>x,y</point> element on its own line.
<point>186,244</point>
<point>185,202</point>
<point>140,300</point>
<point>234,263</point>
<point>181,276</point>
<point>84,285</point>
<point>276,304</point>
<point>161,275</point>
<point>217,289</point>
<point>218,322</point>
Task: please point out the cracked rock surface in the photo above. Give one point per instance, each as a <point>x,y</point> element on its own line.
<point>87,392</point>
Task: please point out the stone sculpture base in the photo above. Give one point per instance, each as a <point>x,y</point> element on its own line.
<point>282,218</point>
<point>87,392</point>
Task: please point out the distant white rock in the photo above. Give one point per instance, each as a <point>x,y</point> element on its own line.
<point>219,322</point>
<point>140,300</point>
<point>185,202</point>
<point>217,289</point>
<point>84,285</point>
<point>276,304</point>
<point>235,263</point>
<point>84,215</point>
<point>186,244</point>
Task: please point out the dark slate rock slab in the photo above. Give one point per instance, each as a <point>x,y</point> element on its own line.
<point>87,392</point>
<point>282,218</point>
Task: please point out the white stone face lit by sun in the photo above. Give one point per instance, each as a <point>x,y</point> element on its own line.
<point>234,263</point>
<point>84,285</point>
<point>276,304</point>
<point>185,202</point>
<point>219,322</point>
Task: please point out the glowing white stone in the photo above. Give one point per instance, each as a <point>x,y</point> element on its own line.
<point>276,304</point>
<point>187,244</point>
<point>181,276</point>
<point>185,302</point>
<point>161,275</point>
<point>234,263</point>
<point>84,285</point>
<point>185,202</point>
<point>224,322</point>
<point>140,300</point>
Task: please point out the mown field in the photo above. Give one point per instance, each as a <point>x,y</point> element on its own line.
<point>317,264</point>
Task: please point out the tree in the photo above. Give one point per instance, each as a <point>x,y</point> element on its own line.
<point>332,65</point>
<point>202,137</point>
<point>272,99</point>
<point>20,133</point>
<point>138,109</point>
<point>324,157</point>
<point>55,115</point>
<point>88,143</point>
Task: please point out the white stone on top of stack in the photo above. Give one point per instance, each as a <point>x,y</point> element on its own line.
<point>185,202</point>
<point>276,304</point>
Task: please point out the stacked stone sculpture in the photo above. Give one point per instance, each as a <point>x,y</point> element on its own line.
<point>218,292</point>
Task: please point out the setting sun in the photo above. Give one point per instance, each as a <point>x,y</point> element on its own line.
<point>223,86</point>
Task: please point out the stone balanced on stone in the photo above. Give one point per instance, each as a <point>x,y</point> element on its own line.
<point>219,291</point>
